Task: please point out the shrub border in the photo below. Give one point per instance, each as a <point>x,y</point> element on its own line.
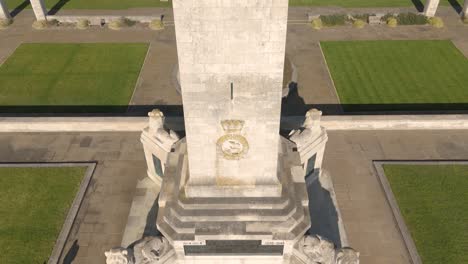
<point>75,206</point>
<point>390,197</point>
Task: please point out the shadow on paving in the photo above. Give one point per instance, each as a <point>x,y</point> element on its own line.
<point>323,214</point>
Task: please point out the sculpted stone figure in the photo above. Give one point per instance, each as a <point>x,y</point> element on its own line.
<point>321,251</point>
<point>318,250</point>
<point>150,250</point>
<point>156,128</point>
<point>118,256</point>
<point>310,126</point>
<point>347,256</point>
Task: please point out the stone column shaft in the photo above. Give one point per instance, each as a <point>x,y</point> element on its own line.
<point>465,9</point>
<point>39,9</point>
<point>4,13</point>
<point>430,8</point>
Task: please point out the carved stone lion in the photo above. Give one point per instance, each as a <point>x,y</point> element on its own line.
<point>118,256</point>
<point>347,256</point>
<point>321,251</point>
<point>318,250</point>
<point>150,250</point>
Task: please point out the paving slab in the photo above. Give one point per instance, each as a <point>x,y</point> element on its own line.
<point>367,216</point>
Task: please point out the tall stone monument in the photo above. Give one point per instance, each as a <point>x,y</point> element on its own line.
<point>430,8</point>
<point>464,12</point>
<point>4,13</point>
<point>233,190</point>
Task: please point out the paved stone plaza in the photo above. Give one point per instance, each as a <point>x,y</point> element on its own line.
<point>367,216</point>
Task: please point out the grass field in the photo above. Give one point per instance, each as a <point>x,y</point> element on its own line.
<point>33,208</point>
<point>433,200</point>
<point>398,75</point>
<point>71,74</point>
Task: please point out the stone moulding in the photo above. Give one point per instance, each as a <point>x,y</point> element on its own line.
<point>75,206</point>
<point>409,242</point>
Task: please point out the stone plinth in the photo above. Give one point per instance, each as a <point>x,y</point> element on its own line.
<point>231,59</point>
<point>430,8</point>
<point>267,226</point>
<point>39,9</point>
<point>4,13</point>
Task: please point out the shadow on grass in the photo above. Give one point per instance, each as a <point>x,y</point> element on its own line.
<point>53,10</point>
<point>456,6</point>
<point>19,8</point>
<point>418,4</point>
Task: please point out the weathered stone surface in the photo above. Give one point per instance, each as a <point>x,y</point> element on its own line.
<point>231,60</point>
<point>430,8</point>
<point>316,249</point>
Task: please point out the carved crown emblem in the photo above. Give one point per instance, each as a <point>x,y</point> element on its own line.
<point>233,146</point>
<point>232,126</point>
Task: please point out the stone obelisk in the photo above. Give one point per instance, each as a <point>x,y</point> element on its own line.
<point>231,58</point>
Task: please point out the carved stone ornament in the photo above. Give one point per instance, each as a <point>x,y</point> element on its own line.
<point>321,251</point>
<point>310,127</point>
<point>118,256</point>
<point>233,145</point>
<point>157,130</point>
<point>149,250</point>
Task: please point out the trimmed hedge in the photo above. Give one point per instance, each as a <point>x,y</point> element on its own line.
<point>411,19</point>
<point>333,20</point>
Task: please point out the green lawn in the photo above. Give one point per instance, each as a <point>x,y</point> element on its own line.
<point>434,202</point>
<point>71,74</point>
<point>388,73</point>
<point>33,207</point>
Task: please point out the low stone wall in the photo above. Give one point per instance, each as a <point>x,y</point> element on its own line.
<point>96,20</point>
<point>136,124</point>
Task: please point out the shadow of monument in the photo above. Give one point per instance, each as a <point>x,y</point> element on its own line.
<point>19,8</point>
<point>456,6</point>
<point>323,214</point>
<point>71,254</point>
<point>53,10</point>
<point>150,227</point>
<point>293,103</point>
<point>418,4</point>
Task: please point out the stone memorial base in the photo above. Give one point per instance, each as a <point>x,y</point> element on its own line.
<point>234,229</point>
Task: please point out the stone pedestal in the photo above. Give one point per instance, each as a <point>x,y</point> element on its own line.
<point>430,8</point>
<point>4,13</point>
<point>157,144</point>
<point>234,229</point>
<point>310,142</point>
<point>39,9</point>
